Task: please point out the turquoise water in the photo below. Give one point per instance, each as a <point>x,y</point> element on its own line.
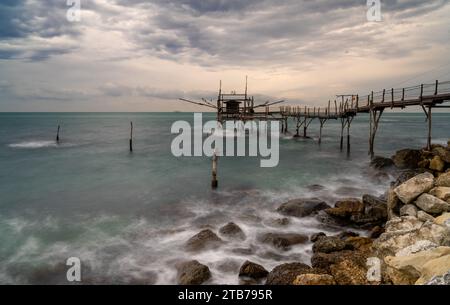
<point>126,215</point>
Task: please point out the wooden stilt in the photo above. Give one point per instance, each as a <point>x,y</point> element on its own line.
<point>375,116</point>
<point>131,137</point>
<point>322,122</point>
<point>429,128</point>
<point>214,182</point>
<point>57,134</point>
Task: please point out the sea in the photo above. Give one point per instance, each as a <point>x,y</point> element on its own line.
<point>127,215</point>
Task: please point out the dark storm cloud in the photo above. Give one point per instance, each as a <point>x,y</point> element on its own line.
<point>21,21</point>
<point>212,32</point>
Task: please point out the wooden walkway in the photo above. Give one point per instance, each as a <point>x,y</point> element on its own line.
<point>426,96</point>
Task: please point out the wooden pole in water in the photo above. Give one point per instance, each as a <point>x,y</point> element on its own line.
<point>131,137</point>
<point>429,129</point>
<point>57,134</point>
<point>214,183</point>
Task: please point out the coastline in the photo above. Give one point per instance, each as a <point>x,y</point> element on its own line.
<point>406,237</point>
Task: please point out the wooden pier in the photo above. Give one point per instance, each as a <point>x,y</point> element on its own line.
<point>242,107</point>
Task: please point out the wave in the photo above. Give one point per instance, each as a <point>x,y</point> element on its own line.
<point>37,144</point>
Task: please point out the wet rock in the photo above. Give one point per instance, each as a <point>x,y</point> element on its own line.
<point>443,179</point>
<point>283,240</point>
<point>408,210</point>
<point>315,237</point>
<point>375,208</point>
<point>425,163</point>
<point>228,265</point>
<point>407,158</point>
<point>315,187</point>
<point>252,270</point>
<point>204,240</point>
<point>381,162</point>
<point>346,234</point>
<point>346,207</point>
<point>314,280</point>
<point>233,231</point>
<point>244,251</point>
<point>423,216</point>
<point>302,207</point>
<point>192,273</point>
<point>286,274</point>
<point>359,243</point>
<point>437,164</point>
<point>328,245</point>
<point>414,187</point>
<point>376,232</point>
<point>442,152</point>
<point>431,204</point>
<point>441,192</point>
<point>279,222</point>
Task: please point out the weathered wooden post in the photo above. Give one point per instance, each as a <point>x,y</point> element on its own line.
<point>57,134</point>
<point>429,128</point>
<point>131,137</point>
<point>436,88</point>
<point>214,183</point>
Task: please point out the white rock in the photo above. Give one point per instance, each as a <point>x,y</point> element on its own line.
<point>431,204</point>
<point>414,187</point>
<point>421,245</point>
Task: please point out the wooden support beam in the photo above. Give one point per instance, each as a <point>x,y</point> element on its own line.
<point>57,134</point>
<point>131,137</point>
<point>436,88</point>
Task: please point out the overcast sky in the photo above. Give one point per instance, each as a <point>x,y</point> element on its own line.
<point>136,55</point>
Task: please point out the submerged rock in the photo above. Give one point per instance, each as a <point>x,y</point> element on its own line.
<point>232,230</point>
<point>414,187</point>
<point>286,274</point>
<point>431,204</point>
<point>204,240</point>
<point>314,280</point>
<point>302,207</point>
<point>192,273</point>
<point>253,270</point>
<point>381,162</point>
<point>283,240</point>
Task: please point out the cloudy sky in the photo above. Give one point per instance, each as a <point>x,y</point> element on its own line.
<point>136,55</point>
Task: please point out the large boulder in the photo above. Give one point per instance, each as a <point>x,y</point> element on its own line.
<point>328,244</point>
<point>204,240</point>
<point>407,158</point>
<point>440,280</point>
<point>406,175</point>
<point>381,162</point>
<point>414,187</point>
<point>192,273</point>
<point>431,204</point>
<point>443,220</point>
<point>421,245</point>
<point>314,280</point>
<point>375,207</point>
<point>252,270</point>
<point>346,208</point>
<point>348,272</point>
<point>442,152</point>
<point>233,231</point>
<point>302,207</point>
<point>437,164</point>
<point>424,216</point>
<point>413,266</point>
<point>443,179</point>
<point>283,241</point>
<point>286,274</point>
<point>441,192</point>
<point>436,267</point>
<point>408,210</point>
<point>406,231</point>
